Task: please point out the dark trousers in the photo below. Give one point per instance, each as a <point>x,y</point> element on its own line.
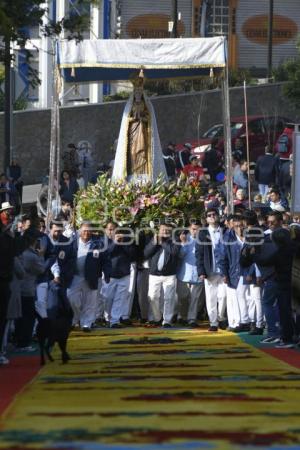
<point>284,295</point>
<point>270,307</point>
<point>24,325</point>
<point>4,299</point>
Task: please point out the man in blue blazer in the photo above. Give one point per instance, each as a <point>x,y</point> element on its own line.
<point>91,261</point>
<point>209,253</point>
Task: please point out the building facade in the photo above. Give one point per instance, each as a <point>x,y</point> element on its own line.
<point>102,14</point>
<point>243,22</point>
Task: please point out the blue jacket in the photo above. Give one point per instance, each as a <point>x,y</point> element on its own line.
<point>204,254</point>
<point>66,255</point>
<point>231,267</point>
<point>121,257</point>
<point>153,251</point>
<point>97,262</point>
<point>50,256</point>
<point>187,268</point>
<point>263,252</point>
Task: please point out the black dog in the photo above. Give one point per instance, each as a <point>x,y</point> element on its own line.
<point>57,326</point>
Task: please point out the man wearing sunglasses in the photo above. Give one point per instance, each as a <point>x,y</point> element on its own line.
<point>209,253</point>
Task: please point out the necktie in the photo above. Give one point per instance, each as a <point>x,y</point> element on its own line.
<point>161,261</point>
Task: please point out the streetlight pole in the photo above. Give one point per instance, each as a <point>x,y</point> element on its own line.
<point>270,37</point>
<point>8,115</point>
<point>174,33</point>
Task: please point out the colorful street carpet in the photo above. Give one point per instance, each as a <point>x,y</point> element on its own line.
<point>168,389</point>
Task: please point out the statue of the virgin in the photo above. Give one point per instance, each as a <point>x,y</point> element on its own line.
<point>138,154</point>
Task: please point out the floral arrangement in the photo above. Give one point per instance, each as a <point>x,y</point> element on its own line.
<point>139,203</point>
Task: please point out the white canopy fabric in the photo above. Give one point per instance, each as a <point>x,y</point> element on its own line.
<point>117,59</point>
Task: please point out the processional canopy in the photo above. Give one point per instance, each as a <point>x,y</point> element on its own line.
<point>139,155</point>
<point>117,59</point>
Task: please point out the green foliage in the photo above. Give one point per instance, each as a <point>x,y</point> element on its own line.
<point>137,204</point>
<point>236,77</point>
<point>169,87</point>
<point>122,95</point>
<point>16,16</point>
<point>290,72</point>
<point>20,103</point>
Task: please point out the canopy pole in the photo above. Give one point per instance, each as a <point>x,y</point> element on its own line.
<point>53,159</point>
<point>58,142</point>
<point>227,139</point>
<point>247,143</point>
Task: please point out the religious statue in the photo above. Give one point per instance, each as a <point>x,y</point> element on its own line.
<point>138,133</point>
<point>138,154</point>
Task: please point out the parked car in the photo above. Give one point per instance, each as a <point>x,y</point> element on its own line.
<point>262,130</point>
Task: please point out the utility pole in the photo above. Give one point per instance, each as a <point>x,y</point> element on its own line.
<point>174,33</point>
<point>8,104</point>
<point>270,38</point>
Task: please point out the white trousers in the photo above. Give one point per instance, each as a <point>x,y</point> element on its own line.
<point>116,294</point>
<point>84,302</point>
<point>237,307</point>
<point>241,292</point>
<point>215,294</point>
<point>253,295</point>
<point>41,299</point>
<point>188,300</point>
<point>166,286</point>
<point>126,307</point>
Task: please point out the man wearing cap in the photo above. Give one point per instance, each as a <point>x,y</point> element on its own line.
<point>194,170</point>
<point>183,156</point>
<point>10,246</point>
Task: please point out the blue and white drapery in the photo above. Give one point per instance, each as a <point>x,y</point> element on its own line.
<point>119,59</point>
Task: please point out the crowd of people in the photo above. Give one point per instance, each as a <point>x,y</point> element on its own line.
<point>232,270</point>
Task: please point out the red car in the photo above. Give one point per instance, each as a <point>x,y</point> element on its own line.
<point>262,130</point>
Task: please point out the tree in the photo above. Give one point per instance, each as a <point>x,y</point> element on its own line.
<point>289,71</point>
<point>16,17</point>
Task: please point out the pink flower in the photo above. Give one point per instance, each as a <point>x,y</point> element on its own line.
<point>154,200</point>
<point>140,202</point>
<point>134,211</point>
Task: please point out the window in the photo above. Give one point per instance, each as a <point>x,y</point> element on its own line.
<point>33,66</point>
<point>214,131</point>
<point>235,128</point>
<point>216,17</point>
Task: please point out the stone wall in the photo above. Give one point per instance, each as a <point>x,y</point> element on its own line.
<point>180,118</point>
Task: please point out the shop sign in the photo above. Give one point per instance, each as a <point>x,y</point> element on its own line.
<point>255,29</point>
<point>151,26</point>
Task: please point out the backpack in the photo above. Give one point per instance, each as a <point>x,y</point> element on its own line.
<point>283,144</point>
